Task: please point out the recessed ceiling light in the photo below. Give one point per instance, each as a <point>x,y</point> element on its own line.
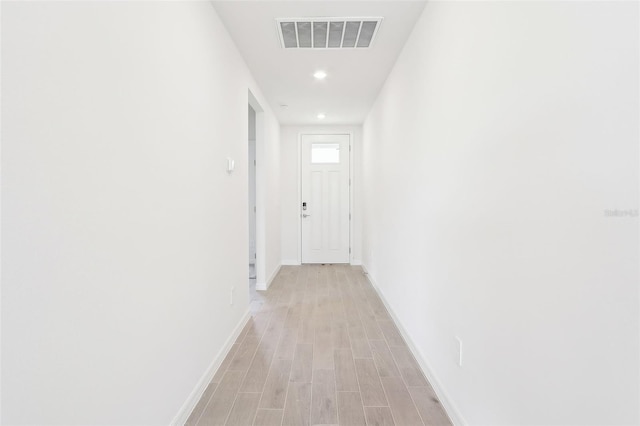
<point>320,75</point>
<point>321,116</point>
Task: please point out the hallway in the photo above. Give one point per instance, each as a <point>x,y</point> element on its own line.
<point>480,160</point>
<point>320,348</point>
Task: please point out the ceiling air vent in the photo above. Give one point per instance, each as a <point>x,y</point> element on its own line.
<point>327,33</point>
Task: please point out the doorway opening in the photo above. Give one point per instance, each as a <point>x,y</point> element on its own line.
<point>256,192</point>
<point>252,196</point>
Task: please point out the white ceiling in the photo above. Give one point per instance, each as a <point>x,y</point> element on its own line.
<point>355,76</point>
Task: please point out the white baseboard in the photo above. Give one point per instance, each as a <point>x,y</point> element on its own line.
<point>265,286</point>
<point>356,262</point>
<point>186,409</point>
<point>449,407</point>
<point>290,262</point>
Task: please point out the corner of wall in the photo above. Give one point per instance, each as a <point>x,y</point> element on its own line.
<point>265,286</point>
<point>454,414</point>
<point>191,402</point>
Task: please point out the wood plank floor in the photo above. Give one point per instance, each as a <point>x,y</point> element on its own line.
<point>320,349</point>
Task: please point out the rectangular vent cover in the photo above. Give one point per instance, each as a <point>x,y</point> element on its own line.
<point>327,33</point>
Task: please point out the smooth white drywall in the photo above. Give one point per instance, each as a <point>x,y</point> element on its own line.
<point>501,137</point>
<point>290,189</point>
<point>123,233</point>
<point>268,202</point>
<point>271,171</point>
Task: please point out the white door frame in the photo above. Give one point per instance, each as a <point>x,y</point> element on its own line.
<point>260,193</point>
<point>351,185</point>
<point>252,192</point>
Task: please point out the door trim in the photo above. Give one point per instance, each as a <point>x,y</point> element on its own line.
<point>261,249</point>
<point>351,185</point>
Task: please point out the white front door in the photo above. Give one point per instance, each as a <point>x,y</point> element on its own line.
<point>325,199</point>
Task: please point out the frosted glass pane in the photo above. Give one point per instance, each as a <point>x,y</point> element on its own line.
<point>325,153</point>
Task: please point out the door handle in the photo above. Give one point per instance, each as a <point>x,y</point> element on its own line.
<point>305,215</point>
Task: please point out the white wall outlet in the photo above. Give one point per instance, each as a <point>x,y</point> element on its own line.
<point>459,351</point>
<point>231,294</point>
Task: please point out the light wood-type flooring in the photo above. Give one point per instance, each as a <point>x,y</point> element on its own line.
<point>320,349</point>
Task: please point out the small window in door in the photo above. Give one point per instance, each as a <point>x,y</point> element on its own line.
<point>325,153</point>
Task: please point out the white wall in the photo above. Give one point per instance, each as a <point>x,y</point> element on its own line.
<point>122,231</point>
<point>268,189</point>
<point>504,132</point>
<point>290,189</point>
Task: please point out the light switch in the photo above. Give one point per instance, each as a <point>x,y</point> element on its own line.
<point>231,165</point>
